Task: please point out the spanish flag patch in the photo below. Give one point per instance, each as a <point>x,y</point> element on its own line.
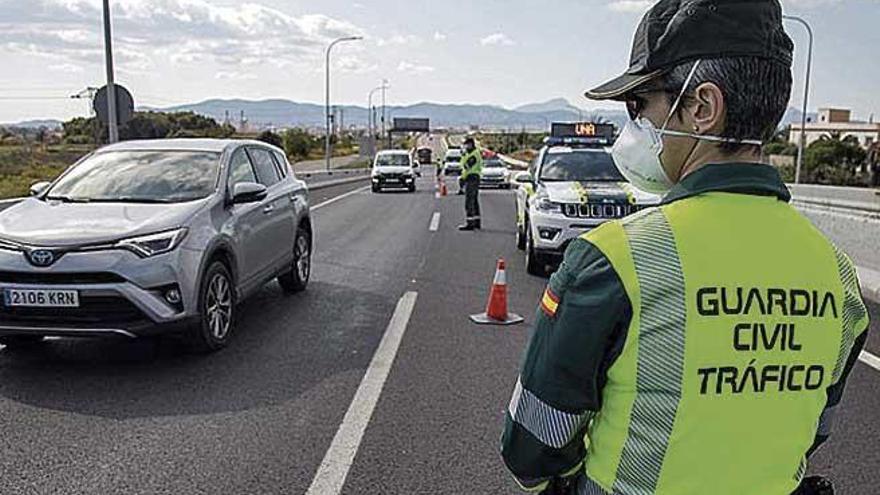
<point>549,303</point>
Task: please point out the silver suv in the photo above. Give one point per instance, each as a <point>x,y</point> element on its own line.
<point>149,237</point>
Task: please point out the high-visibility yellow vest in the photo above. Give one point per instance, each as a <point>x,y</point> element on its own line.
<point>477,169</point>
<point>743,315</point>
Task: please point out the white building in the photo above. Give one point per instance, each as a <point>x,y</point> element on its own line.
<point>836,122</point>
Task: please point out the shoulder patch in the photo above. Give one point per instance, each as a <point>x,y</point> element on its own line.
<point>549,302</point>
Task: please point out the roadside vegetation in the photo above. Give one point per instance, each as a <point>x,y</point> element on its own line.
<point>32,155</point>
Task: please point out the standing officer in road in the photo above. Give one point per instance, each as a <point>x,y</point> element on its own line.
<point>471,171</point>
<point>702,346</point>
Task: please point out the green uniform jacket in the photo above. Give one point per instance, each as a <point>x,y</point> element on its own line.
<point>676,398</point>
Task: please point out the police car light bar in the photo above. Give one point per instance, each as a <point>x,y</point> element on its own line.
<point>581,130</point>
<point>580,133</point>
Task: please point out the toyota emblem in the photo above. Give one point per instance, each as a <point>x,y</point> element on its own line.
<point>41,257</point>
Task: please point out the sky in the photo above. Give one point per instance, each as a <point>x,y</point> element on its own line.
<point>501,52</point>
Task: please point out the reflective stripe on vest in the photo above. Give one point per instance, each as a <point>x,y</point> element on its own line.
<point>477,169</point>
<point>660,351</point>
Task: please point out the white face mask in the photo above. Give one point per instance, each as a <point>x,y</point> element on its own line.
<point>637,150</point>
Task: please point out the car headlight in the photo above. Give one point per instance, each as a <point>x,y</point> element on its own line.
<point>544,205</point>
<point>150,245</point>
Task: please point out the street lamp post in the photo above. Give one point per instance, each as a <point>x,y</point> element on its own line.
<point>327,93</point>
<point>112,123</point>
<point>384,88</point>
<point>803,135</point>
<point>371,123</point>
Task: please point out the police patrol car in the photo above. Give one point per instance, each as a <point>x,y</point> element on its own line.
<point>571,187</point>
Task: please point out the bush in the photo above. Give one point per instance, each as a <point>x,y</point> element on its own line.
<point>271,138</point>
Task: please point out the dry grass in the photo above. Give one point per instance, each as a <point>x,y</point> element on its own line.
<point>21,166</point>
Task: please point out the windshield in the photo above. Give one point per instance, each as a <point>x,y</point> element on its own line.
<point>493,164</point>
<point>579,165</point>
<point>140,177</point>
<point>392,161</point>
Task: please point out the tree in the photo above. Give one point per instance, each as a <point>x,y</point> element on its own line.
<point>834,161</point>
<point>149,125</point>
<point>297,143</point>
<point>271,138</point>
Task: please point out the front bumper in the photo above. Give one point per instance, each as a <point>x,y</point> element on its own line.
<point>120,294</point>
<point>394,181</point>
<point>494,181</point>
<point>553,232</point>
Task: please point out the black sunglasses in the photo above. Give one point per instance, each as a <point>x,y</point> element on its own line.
<point>635,104</point>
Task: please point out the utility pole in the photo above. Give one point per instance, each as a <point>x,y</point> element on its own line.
<point>89,94</point>
<point>112,123</point>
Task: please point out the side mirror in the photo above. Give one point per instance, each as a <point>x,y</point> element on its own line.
<point>248,192</point>
<point>524,178</point>
<point>39,188</point>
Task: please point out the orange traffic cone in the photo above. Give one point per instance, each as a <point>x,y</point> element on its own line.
<point>443,191</point>
<point>496,310</point>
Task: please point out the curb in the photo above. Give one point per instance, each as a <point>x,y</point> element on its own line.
<point>870,281</point>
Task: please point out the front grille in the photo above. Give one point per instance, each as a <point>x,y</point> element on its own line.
<point>54,278</point>
<point>391,176</point>
<point>599,210</point>
<point>93,310</point>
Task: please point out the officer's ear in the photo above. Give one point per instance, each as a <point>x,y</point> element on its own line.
<point>708,109</point>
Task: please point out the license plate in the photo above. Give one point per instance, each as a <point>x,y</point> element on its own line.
<point>41,298</point>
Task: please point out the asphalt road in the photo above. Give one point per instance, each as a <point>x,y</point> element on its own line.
<point>86,417</point>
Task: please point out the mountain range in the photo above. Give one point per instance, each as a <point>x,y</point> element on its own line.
<point>280,113</point>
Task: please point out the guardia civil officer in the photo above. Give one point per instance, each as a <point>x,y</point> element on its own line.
<point>471,171</point>
<point>700,347</point>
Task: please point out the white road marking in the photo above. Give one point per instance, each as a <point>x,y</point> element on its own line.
<point>333,470</point>
<point>435,222</point>
<point>338,198</point>
<point>870,359</point>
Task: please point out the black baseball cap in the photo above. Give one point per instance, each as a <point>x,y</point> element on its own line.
<point>673,32</point>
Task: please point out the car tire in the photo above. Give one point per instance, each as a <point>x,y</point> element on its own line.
<point>216,318</point>
<point>535,263</point>
<point>15,342</point>
<point>521,237</point>
<point>412,188</point>
<point>376,188</point>
<point>297,279</point>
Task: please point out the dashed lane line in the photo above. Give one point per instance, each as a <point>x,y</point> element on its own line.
<point>870,359</point>
<point>333,470</point>
<point>339,198</point>
<point>435,222</point>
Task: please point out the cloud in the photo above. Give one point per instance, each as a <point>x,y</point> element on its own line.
<point>353,64</point>
<point>399,39</point>
<point>66,68</point>
<point>410,67</point>
<point>438,36</point>
<point>235,76</point>
<point>180,31</point>
<point>630,6</point>
<point>497,39</point>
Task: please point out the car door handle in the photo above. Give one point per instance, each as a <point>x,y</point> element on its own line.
<point>268,209</point>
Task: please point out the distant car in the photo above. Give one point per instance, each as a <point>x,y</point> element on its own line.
<point>452,162</point>
<point>146,238</point>
<point>495,174</point>
<point>394,169</point>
